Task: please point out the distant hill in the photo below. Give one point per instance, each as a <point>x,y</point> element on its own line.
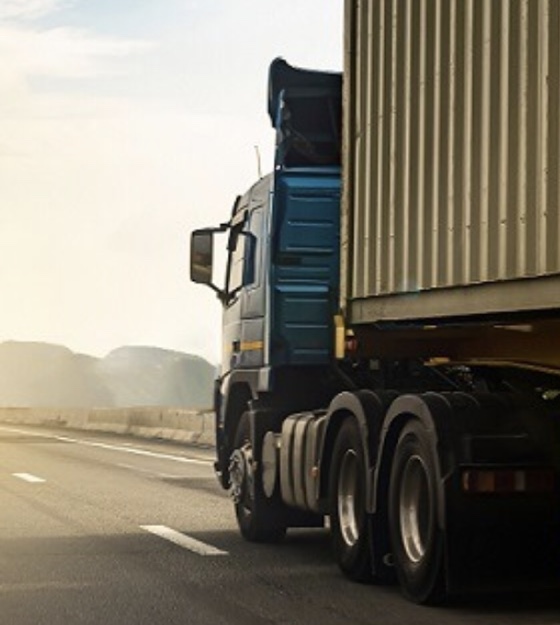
<point>39,374</point>
<point>144,376</point>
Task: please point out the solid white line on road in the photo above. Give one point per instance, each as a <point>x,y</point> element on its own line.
<point>27,477</point>
<point>134,450</point>
<point>126,449</point>
<point>187,542</point>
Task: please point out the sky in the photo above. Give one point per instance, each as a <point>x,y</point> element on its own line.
<point>124,125</point>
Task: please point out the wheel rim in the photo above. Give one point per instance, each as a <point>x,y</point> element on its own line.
<point>347,496</point>
<point>415,509</point>
<point>241,478</point>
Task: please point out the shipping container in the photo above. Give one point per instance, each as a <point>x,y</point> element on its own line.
<point>451,158</point>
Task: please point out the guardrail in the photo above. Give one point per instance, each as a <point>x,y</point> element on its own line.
<point>177,424</point>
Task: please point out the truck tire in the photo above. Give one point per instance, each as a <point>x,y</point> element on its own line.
<point>254,512</point>
<point>416,538</point>
<point>347,498</point>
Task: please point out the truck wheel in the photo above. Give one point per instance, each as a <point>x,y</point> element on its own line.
<point>416,539</point>
<point>254,512</point>
<point>347,490</point>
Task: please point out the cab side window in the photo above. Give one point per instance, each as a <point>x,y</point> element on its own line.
<point>252,264</point>
<point>243,265</point>
<point>236,246</point>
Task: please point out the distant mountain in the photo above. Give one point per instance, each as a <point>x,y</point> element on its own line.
<point>150,376</point>
<point>39,374</point>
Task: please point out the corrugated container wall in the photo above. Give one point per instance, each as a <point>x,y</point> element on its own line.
<point>452,140</point>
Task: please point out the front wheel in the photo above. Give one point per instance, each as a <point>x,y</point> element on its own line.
<point>416,538</point>
<point>255,514</point>
<point>347,494</point>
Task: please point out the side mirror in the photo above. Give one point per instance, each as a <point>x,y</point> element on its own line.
<point>202,256</point>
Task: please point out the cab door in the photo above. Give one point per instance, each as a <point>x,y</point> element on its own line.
<point>245,304</point>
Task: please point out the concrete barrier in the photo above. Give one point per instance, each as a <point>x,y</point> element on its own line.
<point>177,424</point>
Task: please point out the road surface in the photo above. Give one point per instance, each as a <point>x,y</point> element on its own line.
<point>114,530</point>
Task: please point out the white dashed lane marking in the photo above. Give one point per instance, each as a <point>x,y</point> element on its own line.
<point>27,477</point>
<point>182,540</point>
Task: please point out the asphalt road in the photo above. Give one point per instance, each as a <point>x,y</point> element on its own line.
<point>112,530</point>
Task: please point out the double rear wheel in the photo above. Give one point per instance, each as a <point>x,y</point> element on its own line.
<point>416,539</point>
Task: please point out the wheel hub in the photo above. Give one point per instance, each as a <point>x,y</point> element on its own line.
<point>414,508</point>
<point>347,483</point>
<point>241,474</point>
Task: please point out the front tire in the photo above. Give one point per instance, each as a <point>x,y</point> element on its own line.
<point>416,538</point>
<point>347,494</point>
<point>254,512</point>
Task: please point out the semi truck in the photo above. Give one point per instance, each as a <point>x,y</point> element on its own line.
<point>391,304</point>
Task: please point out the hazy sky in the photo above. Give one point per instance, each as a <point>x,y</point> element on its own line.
<point>125,124</point>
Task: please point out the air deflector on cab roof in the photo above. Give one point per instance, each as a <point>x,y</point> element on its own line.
<point>305,107</point>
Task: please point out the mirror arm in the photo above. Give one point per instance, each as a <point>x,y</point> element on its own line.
<point>220,294</point>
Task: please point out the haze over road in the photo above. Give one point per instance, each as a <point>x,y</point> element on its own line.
<point>99,529</point>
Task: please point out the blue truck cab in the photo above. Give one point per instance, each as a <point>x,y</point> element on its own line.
<point>281,289</point>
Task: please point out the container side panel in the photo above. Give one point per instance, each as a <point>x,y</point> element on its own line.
<point>452,174</point>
